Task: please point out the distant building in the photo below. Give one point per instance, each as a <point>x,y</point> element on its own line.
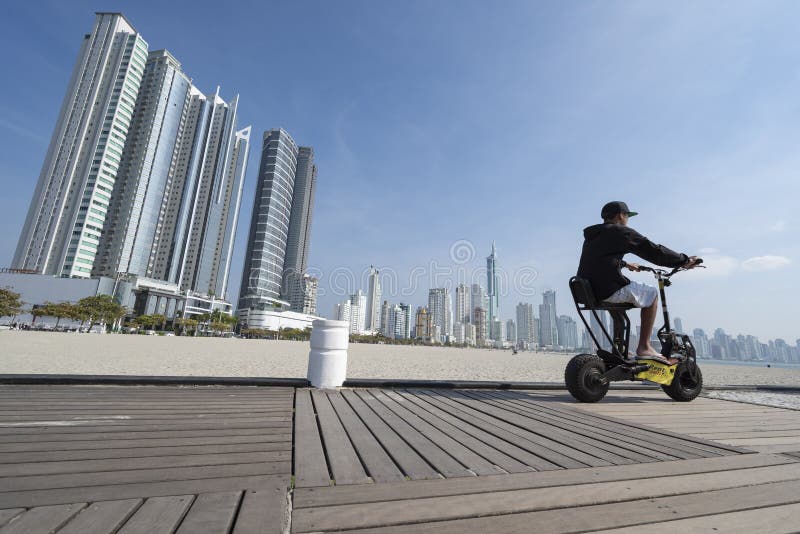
<point>374,301</point>
<point>526,327</point>
<point>477,299</point>
<point>492,291</point>
<point>358,308</point>
<point>548,330</point>
<point>481,328</point>
<point>422,324</point>
<point>463,310</point>
<point>441,311</point>
<point>567,332</point>
<point>511,331</point>
<point>678,325</point>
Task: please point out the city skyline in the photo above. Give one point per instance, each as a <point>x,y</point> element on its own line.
<point>696,125</point>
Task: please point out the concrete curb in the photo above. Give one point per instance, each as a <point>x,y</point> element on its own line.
<point>135,380</point>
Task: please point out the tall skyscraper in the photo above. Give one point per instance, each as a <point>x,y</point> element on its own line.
<point>481,328</point>
<point>678,325</point>
<point>525,324</point>
<point>548,334</point>
<point>511,331</point>
<point>463,308</point>
<point>277,248</point>
<point>478,299</point>
<point>374,300</point>
<point>68,211</point>
<point>299,237</point>
<point>440,307</point>
<point>358,307</point>
<point>493,311</point>
<point>133,220</point>
<point>567,332</point>
<point>422,324</point>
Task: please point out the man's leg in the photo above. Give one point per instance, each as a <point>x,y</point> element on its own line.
<point>648,320</point>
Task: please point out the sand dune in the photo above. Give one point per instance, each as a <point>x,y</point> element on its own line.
<point>62,353</point>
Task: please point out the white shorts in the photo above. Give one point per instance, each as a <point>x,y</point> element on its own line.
<point>640,295</point>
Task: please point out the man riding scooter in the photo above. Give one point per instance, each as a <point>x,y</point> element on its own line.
<point>602,261</point>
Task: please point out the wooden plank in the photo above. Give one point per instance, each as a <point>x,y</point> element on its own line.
<point>21,420</point>
<point>137,443</point>
<point>142,452</point>
<point>607,446</point>
<point>158,514</point>
<point>465,435</point>
<point>306,498</point>
<point>435,432</point>
<point>97,454</point>
<point>72,480</point>
<point>211,513</point>
<point>121,426</point>
<point>773,519</point>
<point>521,501</point>
<point>432,454</point>
<point>131,491</point>
<point>488,433</point>
<point>543,446</point>
<point>310,466</point>
<point>344,463</point>
<point>123,421</point>
<point>412,464</point>
<point>643,443</point>
<point>151,462</point>
<point>102,517</point>
<point>264,511</point>
<point>42,519</point>
<point>378,463</point>
<point>653,437</point>
<point>608,515</point>
<point>154,434</point>
<point>9,514</point>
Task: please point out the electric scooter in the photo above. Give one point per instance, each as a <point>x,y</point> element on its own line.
<point>588,376</point>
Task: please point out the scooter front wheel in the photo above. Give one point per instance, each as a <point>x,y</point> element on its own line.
<point>584,378</point>
<point>687,383</point>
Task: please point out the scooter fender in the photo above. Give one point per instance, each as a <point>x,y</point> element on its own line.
<point>658,372</point>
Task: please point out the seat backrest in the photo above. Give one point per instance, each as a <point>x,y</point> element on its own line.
<point>582,292</point>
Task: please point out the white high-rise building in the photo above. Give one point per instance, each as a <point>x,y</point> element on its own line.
<point>511,331</point>
<point>526,327</point>
<point>69,208</point>
<point>478,299</point>
<point>342,311</point>
<point>463,306</point>
<point>358,307</point>
<point>374,301</point>
<point>440,308</point>
<point>548,334</point>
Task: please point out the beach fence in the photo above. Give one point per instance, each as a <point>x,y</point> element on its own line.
<point>327,359</point>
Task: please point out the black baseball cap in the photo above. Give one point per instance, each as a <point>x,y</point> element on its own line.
<point>615,207</point>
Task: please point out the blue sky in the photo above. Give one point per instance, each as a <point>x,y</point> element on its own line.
<point>440,122</point>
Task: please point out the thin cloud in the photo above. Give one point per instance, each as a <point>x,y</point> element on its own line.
<point>765,263</point>
<point>779,226</point>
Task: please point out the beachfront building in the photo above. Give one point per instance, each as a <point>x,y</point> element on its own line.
<point>280,226</point>
<point>548,330</point>
<point>463,308</point>
<point>133,222</point>
<point>481,328</point>
<point>304,295</point>
<point>358,307</point>
<point>422,324</point>
<point>526,328</point>
<point>67,214</point>
<point>168,219</point>
<point>511,331</point>
<point>477,299</point>
<point>298,239</point>
<point>492,291</point>
<point>373,300</point>
<point>342,311</point>
<point>567,332</point>
<point>441,311</point>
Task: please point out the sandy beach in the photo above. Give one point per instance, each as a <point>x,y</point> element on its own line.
<point>114,354</point>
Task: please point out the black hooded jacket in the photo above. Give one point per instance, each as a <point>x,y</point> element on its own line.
<point>605,245</point>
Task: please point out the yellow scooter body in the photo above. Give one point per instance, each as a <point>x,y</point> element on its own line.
<point>660,373</point>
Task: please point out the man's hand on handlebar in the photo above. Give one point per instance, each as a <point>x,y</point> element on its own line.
<point>635,267</point>
<point>693,262</point>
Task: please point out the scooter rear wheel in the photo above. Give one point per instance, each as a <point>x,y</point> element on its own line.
<point>584,378</point>
<point>687,384</point>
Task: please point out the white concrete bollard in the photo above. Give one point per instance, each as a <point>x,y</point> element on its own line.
<point>327,359</point>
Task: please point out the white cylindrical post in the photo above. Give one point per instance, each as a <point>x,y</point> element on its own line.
<point>327,359</point>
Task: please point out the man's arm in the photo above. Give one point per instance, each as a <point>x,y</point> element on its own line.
<point>652,252</point>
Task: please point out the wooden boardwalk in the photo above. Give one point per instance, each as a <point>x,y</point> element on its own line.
<point>678,467</point>
<point>80,459</point>
<point>144,459</point>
